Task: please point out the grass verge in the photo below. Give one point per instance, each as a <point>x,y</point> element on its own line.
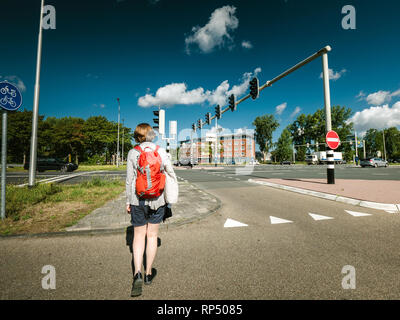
<point>108,167</point>
<point>53,207</point>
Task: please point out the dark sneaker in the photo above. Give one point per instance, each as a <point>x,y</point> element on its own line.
<point>137,285</point>
<point>148,278</point>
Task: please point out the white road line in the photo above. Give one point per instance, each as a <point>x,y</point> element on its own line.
<point>318,217</point>
<point>275,220</point>
<point>358,214</point>
<point>61,178</point>
<point>229,223</point>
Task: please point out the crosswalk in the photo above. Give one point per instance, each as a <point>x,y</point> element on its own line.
<point>230,223</point>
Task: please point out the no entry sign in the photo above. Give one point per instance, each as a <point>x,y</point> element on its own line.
<point>332,140</point>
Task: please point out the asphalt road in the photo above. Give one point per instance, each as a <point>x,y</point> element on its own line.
<point>241,173</point>
<point>22,177</point>
<point>302,259</point>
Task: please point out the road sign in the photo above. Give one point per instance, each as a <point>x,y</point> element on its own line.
<point>332,140</point>
<point>10,97</point>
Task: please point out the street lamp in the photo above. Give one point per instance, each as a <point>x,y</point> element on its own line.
<point>35,111</point>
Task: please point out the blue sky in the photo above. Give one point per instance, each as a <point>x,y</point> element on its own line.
<point>194,53</point>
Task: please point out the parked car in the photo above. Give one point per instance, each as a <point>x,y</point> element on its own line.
<point>286,162</point>
<point>373,162</point>
<point>254,162</point>
<point>43,164</point>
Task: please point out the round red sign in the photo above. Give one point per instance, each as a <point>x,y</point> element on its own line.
<point>332,140</point>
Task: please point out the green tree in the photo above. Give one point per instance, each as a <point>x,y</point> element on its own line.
<point>19,130</point>
<point>284,150</point>
<point>297,130</point>
<point>265,127</point>
<point>392,143</point>
<point>311,129</point>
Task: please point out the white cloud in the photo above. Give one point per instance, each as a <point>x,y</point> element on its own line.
<point>381,97</point>
<point>15,81</point>
<point>360,96</point>
<point>279,109</point>
<point>216,32</point>
<point>178,94</point>
<point>377,117</point>
<point>295,112</point>
<point>334,75</point>
<point>247,44</point>
<point>101,105</point>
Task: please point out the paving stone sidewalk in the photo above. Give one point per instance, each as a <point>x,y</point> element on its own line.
<point>193,204</point>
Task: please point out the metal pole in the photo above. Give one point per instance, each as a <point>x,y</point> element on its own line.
<point>384,144</point>
<point>118,135</point>
<point>216,141</point>
<point>3,164</point>
<point>35,112</point>
<point>294,155</point>
<point>355,139</point>
<point>365,155</point>
<point>191,149</point>
<point>328,124</point>
<point>123,137</point>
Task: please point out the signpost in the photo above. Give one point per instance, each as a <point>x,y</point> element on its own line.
<point>333,142</point>
<point>10,100</point>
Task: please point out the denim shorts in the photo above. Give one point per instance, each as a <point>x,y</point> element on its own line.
<point>142,214</point>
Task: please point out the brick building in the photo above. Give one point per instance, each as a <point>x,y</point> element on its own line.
<point>237,148</point>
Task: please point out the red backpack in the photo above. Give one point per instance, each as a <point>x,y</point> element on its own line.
<point>150,180</point>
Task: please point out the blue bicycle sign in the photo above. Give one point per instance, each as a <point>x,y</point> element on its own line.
<point>10,97</point>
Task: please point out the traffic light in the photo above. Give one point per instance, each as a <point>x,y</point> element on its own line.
<point>218,113</point>
<point>232,102</point>
<point>194,127</point>
<point>208,118</point>
<point>199,124</point>
<point>254,88</point>
<point>159,121</point>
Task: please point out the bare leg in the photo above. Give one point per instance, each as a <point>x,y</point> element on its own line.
<point>151,248</point>
<point>138,247</point>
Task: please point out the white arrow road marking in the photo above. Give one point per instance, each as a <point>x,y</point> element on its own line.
<point>229,223</point>
<point>357,214</point>
<point>319,217</point>
<point>275,220</point>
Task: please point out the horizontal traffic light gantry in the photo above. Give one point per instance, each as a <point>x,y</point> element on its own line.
<point>255,88</point>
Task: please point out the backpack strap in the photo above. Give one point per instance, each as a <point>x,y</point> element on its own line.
<point>138,148</point>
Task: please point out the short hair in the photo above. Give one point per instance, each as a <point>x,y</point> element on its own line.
<point>144,133</point>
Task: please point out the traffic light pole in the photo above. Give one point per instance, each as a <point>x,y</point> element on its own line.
<point>324,53</point>
<point>328,123</point>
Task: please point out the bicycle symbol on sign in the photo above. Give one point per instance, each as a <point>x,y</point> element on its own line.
<point>6,90</point>
<point>10,98</point>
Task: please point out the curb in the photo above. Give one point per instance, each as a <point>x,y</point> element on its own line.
<point>332,197</point>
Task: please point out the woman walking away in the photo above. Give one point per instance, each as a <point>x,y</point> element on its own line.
<point>151,185</point>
